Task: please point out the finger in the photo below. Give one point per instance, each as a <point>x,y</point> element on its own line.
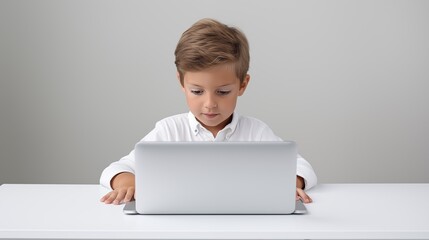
<point>120,197</point>
<point>104,197</point>
<point>298,196</point>
<point>112,196</point>
<point>303,196</point>
<point>130,194</point>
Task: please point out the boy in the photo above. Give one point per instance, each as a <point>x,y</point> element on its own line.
<point>212,61</point>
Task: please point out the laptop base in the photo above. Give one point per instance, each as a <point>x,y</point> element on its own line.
<point>130,209</point>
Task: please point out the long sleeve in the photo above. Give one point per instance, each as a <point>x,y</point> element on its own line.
<point>304,170</point>
<point>125,164</point>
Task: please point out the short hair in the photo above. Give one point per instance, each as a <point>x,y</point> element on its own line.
<point>209,43</point>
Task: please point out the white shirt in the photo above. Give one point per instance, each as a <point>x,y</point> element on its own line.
<point>185,127</point>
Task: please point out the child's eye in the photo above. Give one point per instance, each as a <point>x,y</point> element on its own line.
<point>223,92</point>
<point>196,92</point>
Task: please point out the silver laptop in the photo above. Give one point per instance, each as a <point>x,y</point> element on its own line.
<point>215,178</point>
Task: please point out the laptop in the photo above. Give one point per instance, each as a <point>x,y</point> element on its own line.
<point>215,178</point>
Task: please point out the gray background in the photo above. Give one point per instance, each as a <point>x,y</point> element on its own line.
<point>83,81</point>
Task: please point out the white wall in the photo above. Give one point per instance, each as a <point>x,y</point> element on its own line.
<point>83,81</point>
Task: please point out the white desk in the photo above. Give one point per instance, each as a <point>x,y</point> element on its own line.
<point>339,211</point>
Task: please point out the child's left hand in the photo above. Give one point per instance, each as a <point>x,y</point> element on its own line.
<point>300,193</point>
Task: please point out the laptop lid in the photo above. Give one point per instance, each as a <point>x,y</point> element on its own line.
<point>215,177</point>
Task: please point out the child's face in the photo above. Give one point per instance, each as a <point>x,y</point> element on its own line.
<point>212,95</point>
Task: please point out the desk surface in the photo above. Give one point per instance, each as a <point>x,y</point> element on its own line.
<point>339,211</point>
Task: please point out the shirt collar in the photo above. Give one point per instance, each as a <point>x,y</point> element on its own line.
<point>196,126</point>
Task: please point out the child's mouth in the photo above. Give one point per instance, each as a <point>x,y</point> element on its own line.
<point>210,115</point>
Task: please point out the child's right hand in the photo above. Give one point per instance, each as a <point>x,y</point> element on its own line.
<point>123,186</point>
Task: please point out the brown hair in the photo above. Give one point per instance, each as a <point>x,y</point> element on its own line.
<point>209,43</point>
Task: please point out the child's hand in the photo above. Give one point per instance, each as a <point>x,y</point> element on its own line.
<point>124,188</point>
<point>119,195</point>
<point>300,194</point>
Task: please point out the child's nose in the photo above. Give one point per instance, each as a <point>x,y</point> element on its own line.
<point>210,102</point>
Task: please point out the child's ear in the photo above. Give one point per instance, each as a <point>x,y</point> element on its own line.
<point>243,85</point>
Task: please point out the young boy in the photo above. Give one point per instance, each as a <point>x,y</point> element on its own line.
<point>212,61</point>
